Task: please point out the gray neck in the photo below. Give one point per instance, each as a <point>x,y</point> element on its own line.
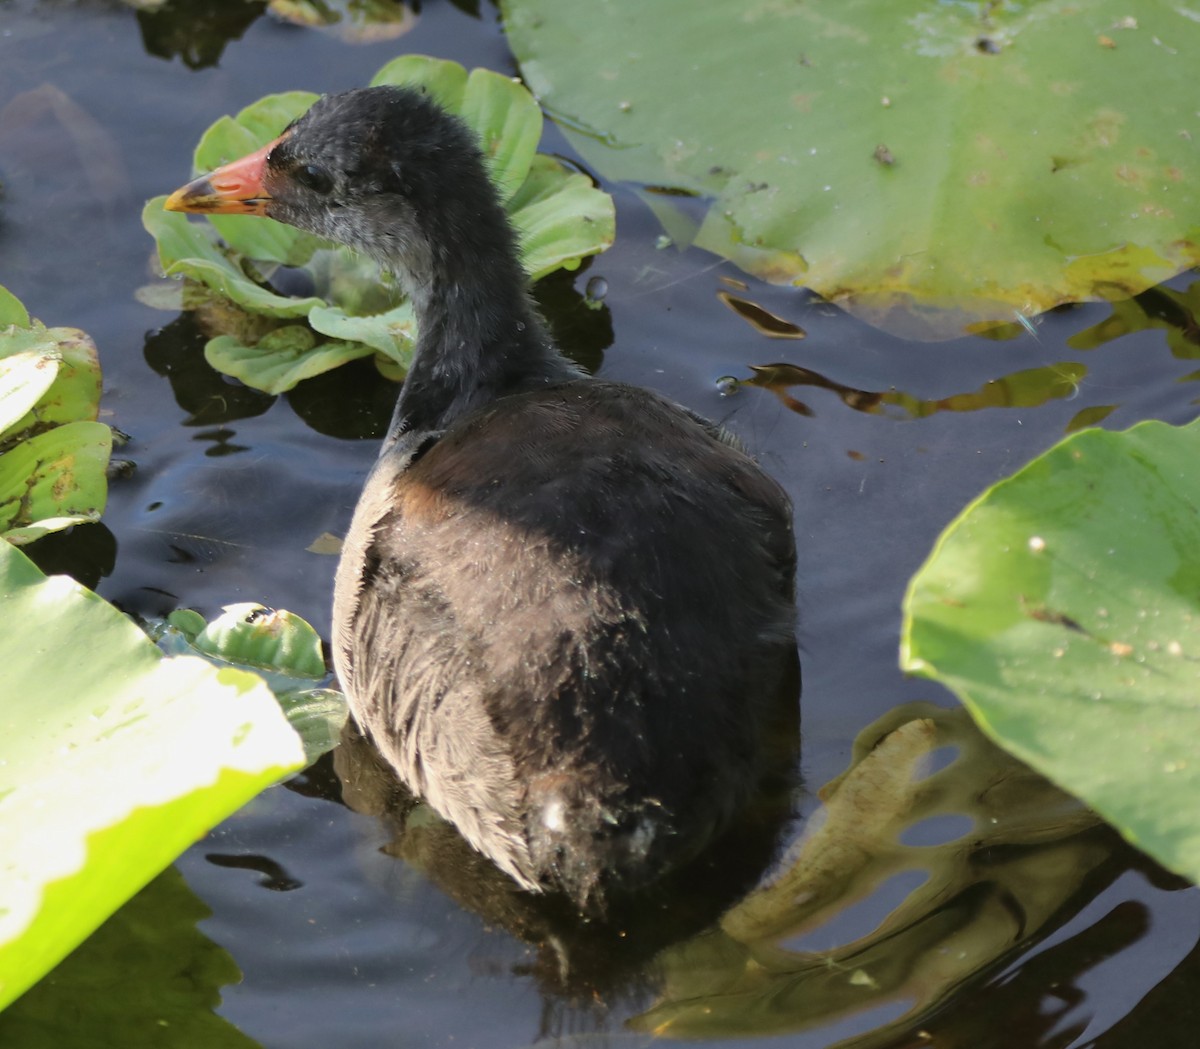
<point>479,338</point>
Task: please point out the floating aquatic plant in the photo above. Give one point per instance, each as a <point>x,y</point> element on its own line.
<point>282,305</point>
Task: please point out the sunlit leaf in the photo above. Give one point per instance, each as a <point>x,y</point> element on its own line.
<point>932,167</point>
<point>1063,607</point>
<point>162,749</point>
<point>266,638</point>
<point>69,357</point>
<point>25,376</point>
<point>279,646</point>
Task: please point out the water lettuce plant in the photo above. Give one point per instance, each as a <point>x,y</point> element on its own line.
<point>237,267</point>
<point>1063,608</point>
<point>931,167</point>
<point>53,452</point>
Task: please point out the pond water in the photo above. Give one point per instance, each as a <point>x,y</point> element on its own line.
<point>342,941</point>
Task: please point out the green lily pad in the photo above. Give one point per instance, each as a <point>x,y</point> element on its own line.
<point>933,167</point>
<point>146,977</point>
<point>112,762</point>
<point>560,216</point>
<point>1063,608</point>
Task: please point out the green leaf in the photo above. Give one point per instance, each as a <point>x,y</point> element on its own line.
<point>281,360</point>
<point>146,977</point>
<point>188,249</point>
<point>445,81</point>
<point>176,744</point>
<point>68,356</point>
<point>1063,608</point>
<point>267,638</point>
<point>278,645</point>
<point>392,333</point>
<point>317,715</point>
<point>561,218</point>
<point>53,480</point>
<point>931,167</point>
<point>25,376</point>
<point>558,216</point>
<point>11,310</point>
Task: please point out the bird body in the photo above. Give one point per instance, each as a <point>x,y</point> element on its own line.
<point>564,608</point>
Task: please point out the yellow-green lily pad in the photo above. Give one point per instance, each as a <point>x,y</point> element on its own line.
<point>933,167</point>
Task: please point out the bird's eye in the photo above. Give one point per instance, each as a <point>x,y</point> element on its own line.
<point>315,178</point>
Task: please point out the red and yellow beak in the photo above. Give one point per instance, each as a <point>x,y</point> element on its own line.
<point>235,189</point>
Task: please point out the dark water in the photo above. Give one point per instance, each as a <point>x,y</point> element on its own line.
<point>342,944</point>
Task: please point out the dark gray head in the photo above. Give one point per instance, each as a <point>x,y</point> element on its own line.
<point>384,170</point>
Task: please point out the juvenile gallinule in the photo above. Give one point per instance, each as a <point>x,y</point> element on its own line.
<point>564,606</point>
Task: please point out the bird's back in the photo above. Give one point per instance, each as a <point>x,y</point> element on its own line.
<point>565,621</point>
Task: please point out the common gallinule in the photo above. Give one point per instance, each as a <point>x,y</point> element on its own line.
<point>564,606</point>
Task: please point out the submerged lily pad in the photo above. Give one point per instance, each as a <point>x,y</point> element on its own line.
<point>112,762</point>
<point>932,167</point>
<point>560,216</point>
<point>1008,860</point>
<point>1063,608</point>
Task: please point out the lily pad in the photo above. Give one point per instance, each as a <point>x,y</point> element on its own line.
<point>1063,608</point>
<point>1008,860</point>
<point>933,167</point>
<point>560,216</point>
<point>112,762</point>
